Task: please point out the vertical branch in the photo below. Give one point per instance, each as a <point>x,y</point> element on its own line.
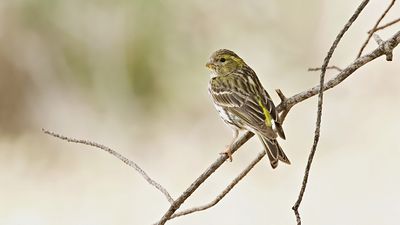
<point>320,102</point>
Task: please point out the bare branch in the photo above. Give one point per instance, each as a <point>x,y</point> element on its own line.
<point>320,103</point>
<point>290,102</point>
<point>384,26</point>
<point>328,68</point>
<point>284,113</point>
<point>320,99</point>
<point>224,192</point>
<point>210,170</point>
<point>119,156</point>
<point>375,27</point>
<point>287,103</point>
<point>389,44</point>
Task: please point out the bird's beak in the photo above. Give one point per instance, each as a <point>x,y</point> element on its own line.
<point>209,65</point>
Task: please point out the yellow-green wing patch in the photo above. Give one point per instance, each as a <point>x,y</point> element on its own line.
<point>268,118</point>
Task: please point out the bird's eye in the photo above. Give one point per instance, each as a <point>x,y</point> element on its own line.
<point>222,59</point>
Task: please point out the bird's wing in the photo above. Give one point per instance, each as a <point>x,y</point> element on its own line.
<point>234,94</point>
<point>269,104</point>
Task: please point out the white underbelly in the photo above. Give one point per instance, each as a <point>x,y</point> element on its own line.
<point>224,115</point>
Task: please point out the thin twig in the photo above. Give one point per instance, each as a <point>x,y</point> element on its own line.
<point>290,102</point>
<point>374,28</point>
<point>384,26</point>
<point>328,68</point>
<point>119,156</point>
<point>320,103</point>
<point>284,113</point>
<point>224,192</point>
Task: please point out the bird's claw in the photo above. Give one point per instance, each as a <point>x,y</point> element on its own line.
<point>228,153</point>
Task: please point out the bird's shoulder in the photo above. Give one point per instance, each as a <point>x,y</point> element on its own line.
<point>233,82</point>
<point>227,92</point>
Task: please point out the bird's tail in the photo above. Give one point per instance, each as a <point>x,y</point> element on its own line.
<point>274,151</point>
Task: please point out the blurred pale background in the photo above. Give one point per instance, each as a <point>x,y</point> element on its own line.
<point>131,75</point>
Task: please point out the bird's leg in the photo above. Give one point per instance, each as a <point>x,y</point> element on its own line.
<point>228,151</point>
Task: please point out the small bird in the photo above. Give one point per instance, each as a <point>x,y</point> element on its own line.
<point>243,103</point>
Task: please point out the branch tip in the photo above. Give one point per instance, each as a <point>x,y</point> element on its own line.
<point>117,155</point>
<point>378,39</point>
<point>281,95</point>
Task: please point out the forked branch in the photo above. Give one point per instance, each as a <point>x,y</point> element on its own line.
<point>224,192</point>
<point>384,48</point>
<point>384,26</point>
<point>287,103</point>
<point>375,28</point>
<point>290,102</point>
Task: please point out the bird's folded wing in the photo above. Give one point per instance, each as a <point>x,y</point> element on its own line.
<point>270,106</point>
<point>242,104</point>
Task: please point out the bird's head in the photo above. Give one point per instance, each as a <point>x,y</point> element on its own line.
<point>223,62</point>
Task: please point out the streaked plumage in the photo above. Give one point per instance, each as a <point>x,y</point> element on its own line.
<point>243,103</point>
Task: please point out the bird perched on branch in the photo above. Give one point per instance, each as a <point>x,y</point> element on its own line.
<point>243,104</point>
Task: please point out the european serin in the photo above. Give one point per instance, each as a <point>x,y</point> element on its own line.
<point>243,104</point>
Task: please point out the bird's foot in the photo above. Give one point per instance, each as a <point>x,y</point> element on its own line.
<point>228,152</point>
